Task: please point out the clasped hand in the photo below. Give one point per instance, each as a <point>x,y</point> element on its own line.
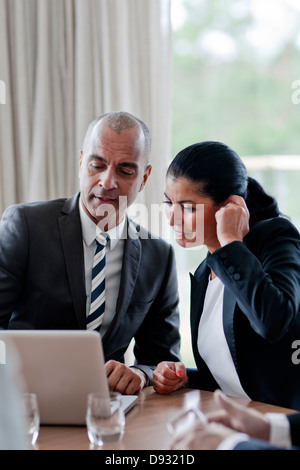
<point>169,376</point>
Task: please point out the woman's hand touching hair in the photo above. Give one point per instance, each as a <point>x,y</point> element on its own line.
<point>232,220</point>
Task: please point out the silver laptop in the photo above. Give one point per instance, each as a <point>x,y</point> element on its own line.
<point>62,368</point>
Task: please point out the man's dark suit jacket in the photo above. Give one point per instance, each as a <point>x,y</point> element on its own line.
<point>42,282</point>
<point>253,444</point>
<point>261,315</point>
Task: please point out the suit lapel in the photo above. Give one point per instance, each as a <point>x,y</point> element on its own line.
<point>229,305</point>
<point>199,283</point>
<point>71,238</point>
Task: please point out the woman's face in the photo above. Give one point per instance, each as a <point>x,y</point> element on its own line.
<point>191,215</point>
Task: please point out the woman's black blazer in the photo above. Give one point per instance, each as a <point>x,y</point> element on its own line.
<point>261,314</point>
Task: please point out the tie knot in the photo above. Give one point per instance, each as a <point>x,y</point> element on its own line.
<point>102,239</point>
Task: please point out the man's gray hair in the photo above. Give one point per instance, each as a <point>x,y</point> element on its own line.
<point>119,121</point>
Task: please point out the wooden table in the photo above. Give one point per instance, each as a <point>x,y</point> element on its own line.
<point>145,423</point>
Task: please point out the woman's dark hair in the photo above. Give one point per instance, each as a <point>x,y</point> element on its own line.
<point>219,173</point>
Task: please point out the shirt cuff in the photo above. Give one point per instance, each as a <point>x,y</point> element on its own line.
<point>230,442</point>
<point>280,434</point>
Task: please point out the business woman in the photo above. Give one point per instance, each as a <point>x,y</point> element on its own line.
<point>245,295</point>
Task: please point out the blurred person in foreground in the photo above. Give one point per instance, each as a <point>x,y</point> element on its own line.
<point>245,295</point>
<point>235,427</point>
<point>12,429</point>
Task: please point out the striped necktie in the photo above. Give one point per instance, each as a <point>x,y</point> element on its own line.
<point>97,307</point>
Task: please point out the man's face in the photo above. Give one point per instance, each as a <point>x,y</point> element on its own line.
<point>112,171</point>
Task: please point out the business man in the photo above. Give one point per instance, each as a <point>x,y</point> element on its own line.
<point>47,253</point>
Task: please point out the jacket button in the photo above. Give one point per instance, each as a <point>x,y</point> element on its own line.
<point>236,276</point>
<point>231,269</point>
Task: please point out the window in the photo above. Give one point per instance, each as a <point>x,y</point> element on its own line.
<point>236,78</point>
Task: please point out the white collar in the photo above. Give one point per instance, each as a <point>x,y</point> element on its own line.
<point>90,230</point>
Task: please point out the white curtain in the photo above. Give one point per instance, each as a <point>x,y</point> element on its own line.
<point>63,63</point>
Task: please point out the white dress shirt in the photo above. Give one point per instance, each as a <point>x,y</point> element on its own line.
<point>114,257</point>
<point>212,343</point>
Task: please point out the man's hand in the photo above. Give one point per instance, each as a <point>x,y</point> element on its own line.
<point>123,379</point>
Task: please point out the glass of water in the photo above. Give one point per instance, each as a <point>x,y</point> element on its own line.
<point>185,421</point>
<point>31,418</point>
<point>105,418</point>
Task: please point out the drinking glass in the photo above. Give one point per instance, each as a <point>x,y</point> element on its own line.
<point>31,418</point>
<point>105,418</point>
<point>185,421</point>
